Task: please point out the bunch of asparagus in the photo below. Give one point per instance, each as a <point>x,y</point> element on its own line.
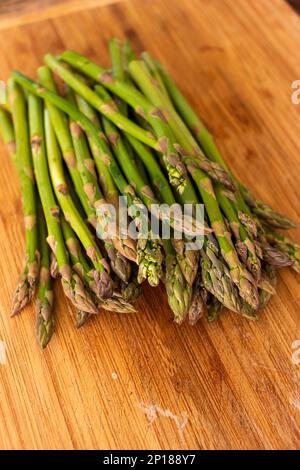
<point>80,137</point>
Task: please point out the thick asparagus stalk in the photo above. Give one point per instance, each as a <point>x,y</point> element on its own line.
<point>101,269</point>
<point>71,282</point>
<point>45,322</point>
<point>27,282</point>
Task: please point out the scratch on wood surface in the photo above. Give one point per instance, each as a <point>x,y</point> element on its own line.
<point>295,402</point>
<point>153,411</point>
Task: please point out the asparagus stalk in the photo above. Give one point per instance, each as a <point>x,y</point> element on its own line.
<point>85,163</point>
<point>27,281</point>
<point>45,322</point>
<point>117,60</point>
<point>71,282</point>
<point>64,138</point>
<point>8,136</point>
<point>265,213</point>
<point>163,141</point>
<point>244,244</point>
<point>124,244</point>
<point>101,269</point>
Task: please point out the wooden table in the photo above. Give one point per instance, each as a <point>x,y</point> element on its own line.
<point>139,381</point>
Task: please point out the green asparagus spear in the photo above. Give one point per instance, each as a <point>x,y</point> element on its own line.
<point>45,322</point>
<point>71,282</point>
<point>27,282</point>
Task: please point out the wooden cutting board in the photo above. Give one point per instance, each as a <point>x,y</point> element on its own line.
<point>139,381</point>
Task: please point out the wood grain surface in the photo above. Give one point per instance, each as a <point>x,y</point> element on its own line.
<point>139,381</point>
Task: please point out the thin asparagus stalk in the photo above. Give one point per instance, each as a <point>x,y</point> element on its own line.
<point>117,60</point>
<point>101,269</point>
<point>27,282</point>
<point>64,138</point>
<point>79,264</point>
<point>8,136</point>
<point>85,163</point>
<point>265,213</point>
<point>244,244</point>
<point>71,282</point>
<point>45,322</point>
<point>124,244</point>
<point>218,280</point>
<point>91,97</point>
<point>81,318</point>
<point>117,302</point>
<point>128,54</point>
<point>163,141</point>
